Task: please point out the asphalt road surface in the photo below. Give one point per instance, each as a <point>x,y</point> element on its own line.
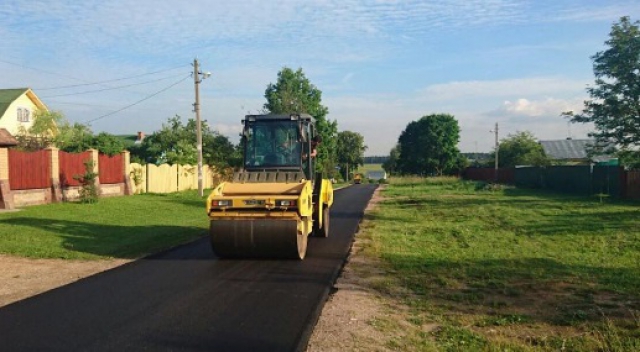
<point>187,300</point>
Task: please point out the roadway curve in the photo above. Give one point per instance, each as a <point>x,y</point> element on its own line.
<point>186,300</point>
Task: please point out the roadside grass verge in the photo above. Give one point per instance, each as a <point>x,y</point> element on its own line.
<point>500,268</point>
<point>115,227</point>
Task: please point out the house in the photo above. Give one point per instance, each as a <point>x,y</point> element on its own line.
<point>17,108</point>
<point>571,150</point>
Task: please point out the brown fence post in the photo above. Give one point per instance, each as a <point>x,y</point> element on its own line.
<point>6,198</point>
<point>126,160</point>
<point>54,159</point>
<point>96,168</point>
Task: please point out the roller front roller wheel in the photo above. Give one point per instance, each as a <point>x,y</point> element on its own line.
<point>258,238</point>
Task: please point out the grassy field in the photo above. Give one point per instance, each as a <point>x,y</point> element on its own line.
<point>119,227</point>
<point>506,269</point>
<point>363,169</point>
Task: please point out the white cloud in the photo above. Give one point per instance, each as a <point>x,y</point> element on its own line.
<point>534,86</point>
<point>547,107</point>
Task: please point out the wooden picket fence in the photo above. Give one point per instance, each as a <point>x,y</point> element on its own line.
<point>167,178</point>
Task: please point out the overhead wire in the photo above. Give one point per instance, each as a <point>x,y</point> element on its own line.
<point>139,101</point>
<point>82,80</point>
<point>110,88</point>
<point>111,80</point>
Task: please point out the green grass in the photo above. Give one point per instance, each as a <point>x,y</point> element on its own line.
<point>504,268</point>
<point>122,227</point>
<point>369,167</point>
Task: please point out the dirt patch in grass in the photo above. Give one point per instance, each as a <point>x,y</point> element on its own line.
<point>24,277</point>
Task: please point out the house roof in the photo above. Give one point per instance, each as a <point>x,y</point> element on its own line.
<point>569,149</point>
<point>6,139</point>
<point>7,96</point>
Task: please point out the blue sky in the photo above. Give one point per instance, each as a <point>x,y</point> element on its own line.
<point>379,63</point>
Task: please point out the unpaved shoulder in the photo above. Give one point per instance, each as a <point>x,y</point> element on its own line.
<point>352,317</point>
<point>24,277</point>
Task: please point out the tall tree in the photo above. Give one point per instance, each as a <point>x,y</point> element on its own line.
<point>391,164</point>
<point>520,148</point>
<point>175,143</point>
<point>614,107</point>
<point>42,131</point>
<point>429,146</point>
<point>350,151</point>
<point>108,144</point>
<point>294,93</point>
<point>74,138</point>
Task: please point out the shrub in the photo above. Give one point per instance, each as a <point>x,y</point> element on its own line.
<point>89,190</point>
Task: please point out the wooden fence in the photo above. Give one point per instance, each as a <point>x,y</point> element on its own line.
<point>71,166</point>
<point>51,176</point>
<point>632,182</point>
<point>29,170</point>
<point>111,169</point>
<point>29,178</point>
<point>167,178</point>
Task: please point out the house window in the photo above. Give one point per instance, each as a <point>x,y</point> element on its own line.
<point>23,114</point>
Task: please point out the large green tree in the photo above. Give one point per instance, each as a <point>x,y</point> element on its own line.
<point>520,148</point>
<point>294,93</point>
<point>350,151</point>
<point>74,138</point>
<point>429,146</point>
<point>175,143</point>
<point>391,165</point>
<point>51,128</point>
<point>42,131</point>
<point>614,107</point>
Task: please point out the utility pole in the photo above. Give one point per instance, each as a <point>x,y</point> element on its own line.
<point>196,108</point>
<point>497,149</point>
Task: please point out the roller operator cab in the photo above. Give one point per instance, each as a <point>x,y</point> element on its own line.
<point>277,200</point>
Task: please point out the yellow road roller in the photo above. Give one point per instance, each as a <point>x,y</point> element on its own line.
<point>276,200</point>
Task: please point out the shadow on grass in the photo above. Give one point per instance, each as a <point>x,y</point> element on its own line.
<point>186,198</point>
<point>542,290</point>
<point>118,241</point>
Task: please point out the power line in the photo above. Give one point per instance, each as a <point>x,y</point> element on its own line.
<point>139,101</point>
<point>111,80</point>
<point>110,88</point>
<point>79,79</point>
<point>39,70</point>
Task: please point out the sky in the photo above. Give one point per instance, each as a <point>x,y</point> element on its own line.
<point>123,66</point>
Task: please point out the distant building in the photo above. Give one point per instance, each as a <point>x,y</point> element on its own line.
<point>571,150</point>
<point>139,138</point>
<point>377,175</point>
<point>6,139</point>
<point>17,108</point>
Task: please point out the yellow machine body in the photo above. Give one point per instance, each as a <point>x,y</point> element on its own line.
<point>277,200</point>
<point>270,220</point>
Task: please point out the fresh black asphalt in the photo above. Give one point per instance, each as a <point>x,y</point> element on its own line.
<point>187,300</point>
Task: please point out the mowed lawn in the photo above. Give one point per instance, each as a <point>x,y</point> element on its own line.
<point>485,268</point>
<point>117,227</point>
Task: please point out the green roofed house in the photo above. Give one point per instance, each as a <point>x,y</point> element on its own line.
<point>17,107</point>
